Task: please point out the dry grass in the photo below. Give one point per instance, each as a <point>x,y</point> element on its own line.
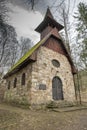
<point>12,118</point>
<point>8,120</point>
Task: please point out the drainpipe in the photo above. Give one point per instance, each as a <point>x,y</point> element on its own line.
<point>79,88</point>
<point>75,87</point>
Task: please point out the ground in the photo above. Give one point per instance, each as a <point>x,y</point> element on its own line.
<point>14,118</point>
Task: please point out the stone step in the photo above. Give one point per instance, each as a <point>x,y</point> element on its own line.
<point>68,109</point>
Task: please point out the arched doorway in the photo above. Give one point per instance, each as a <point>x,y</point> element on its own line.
<point>57,90</point>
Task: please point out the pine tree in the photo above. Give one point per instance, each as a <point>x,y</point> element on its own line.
<point>82,31</point>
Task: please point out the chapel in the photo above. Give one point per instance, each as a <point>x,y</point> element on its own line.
<point>45,73</point>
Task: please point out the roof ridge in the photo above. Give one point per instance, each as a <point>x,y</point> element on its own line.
<point>28,53</point>
<point>34,48</point>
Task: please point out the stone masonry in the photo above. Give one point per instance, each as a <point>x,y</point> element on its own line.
<point>42,72</point>
<point>20,94</point>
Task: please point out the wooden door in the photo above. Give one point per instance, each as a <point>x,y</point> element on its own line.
<point>57,91</point>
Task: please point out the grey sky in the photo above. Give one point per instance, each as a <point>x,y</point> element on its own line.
<point>25,21</point>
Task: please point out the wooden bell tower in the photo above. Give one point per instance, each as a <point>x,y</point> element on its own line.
<point>48,24</point>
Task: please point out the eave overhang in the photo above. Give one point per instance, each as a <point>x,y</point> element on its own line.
<point>48,21</point>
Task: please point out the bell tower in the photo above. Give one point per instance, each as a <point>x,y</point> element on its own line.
<point>48,24</point>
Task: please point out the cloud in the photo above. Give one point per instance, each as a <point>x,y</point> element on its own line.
<point>40,5</point>
<point>25,21</point>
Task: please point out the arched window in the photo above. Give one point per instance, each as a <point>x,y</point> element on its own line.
<point>23,79</point>
<point>15,82</point>
<point>9,85</point>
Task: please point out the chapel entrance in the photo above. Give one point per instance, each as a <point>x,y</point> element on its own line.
<point>57,90</point>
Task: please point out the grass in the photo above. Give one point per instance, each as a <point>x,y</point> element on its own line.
<point>13,118</point>
<point>8,119</point>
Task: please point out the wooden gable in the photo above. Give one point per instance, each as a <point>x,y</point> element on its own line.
<point>55,45</point>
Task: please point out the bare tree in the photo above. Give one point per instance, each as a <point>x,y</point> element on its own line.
<point>24,45</point>
<point>3,39</point>
<point>10,48</point>
<point>62,12</point>
<point>3,30</point>
<point>31,3</point>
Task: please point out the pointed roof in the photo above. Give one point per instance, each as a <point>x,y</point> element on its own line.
<point>48,20</point>
<point>25,59</point>
<point>48,14</point>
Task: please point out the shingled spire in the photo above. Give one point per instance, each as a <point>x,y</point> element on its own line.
<point>48,24</point>
<point>49,14</point>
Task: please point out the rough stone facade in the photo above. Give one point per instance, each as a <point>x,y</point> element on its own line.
<point>39,72</point>
<point>20,94</point>
<point>43,72</point>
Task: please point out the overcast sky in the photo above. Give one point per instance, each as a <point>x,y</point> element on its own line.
<point>25,20</point>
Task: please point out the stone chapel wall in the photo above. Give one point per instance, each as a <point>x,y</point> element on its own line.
<point>43,72</point>
<point>21,93</point>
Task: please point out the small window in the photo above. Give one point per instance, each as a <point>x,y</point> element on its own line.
<point>23,79</point>
<point>55,63</point>
<point>9,85</point>
<point>15,82</point>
